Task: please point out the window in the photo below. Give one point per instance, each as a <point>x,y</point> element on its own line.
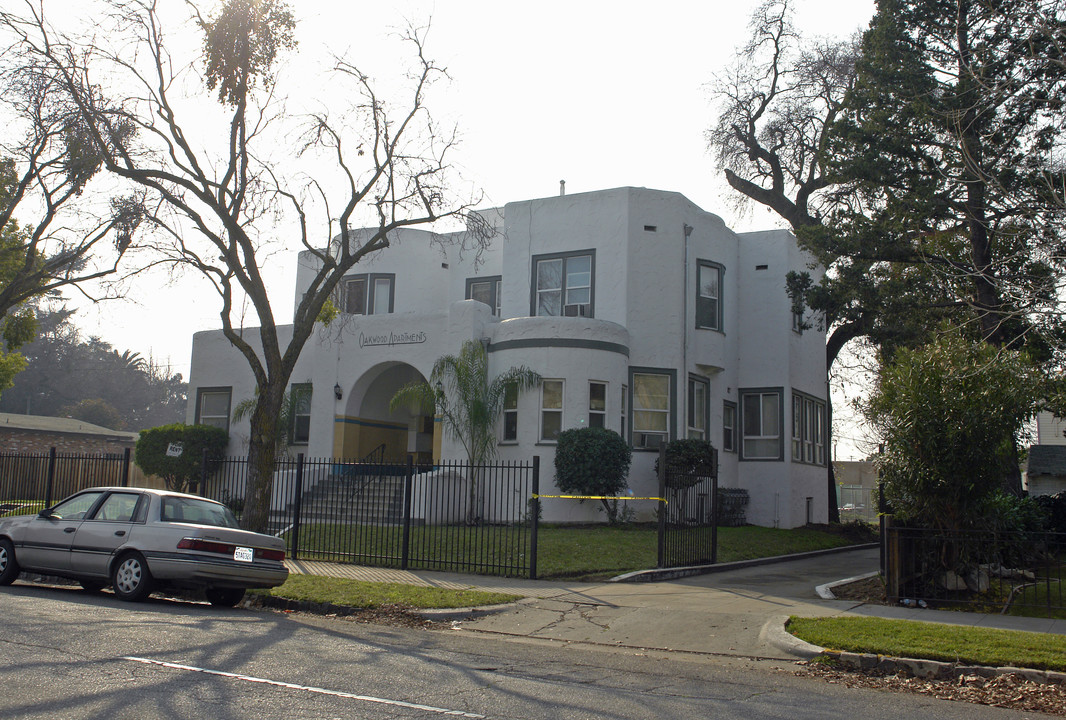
<point>212,407</point>
<point>709,295</point>
<point>510,413</point>
<point>551,410</point>
<point>624,405</point>
<point>597,404</point>
<point>761,423</point>
<point>118,507</point>
<point>486,290</point>
<point>729,426</point>
<point>698,390</point>
<point>651,409</point>
<point>808,429</point>
<point>300,397</point>
<point>371,294</point>
<point>562,284</point>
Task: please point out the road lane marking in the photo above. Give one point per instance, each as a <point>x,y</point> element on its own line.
<point>305,688</point>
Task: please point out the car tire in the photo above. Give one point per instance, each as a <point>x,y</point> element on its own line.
<point>9,567</point>
<point>224,597</point>
<point>93,586</point>
<point>130,577</point>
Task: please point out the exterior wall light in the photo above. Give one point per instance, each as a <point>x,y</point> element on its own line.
<point>337,392</point>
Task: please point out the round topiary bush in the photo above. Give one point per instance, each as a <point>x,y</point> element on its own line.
<point>592,461</point>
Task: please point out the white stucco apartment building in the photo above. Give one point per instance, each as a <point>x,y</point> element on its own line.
<point>642,312</point>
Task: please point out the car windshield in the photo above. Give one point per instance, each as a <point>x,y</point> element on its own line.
<point>200,512</point>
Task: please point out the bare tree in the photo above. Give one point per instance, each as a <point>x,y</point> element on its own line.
<point>227,198</point>
<point>55,232</point>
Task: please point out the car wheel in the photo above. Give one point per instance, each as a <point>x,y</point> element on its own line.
<point>92,585</point>
<point>9,567</point>
<point>224,597</point>
<point>130,577</point>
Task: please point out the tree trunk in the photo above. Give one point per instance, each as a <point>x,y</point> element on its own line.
<point>262,451</point>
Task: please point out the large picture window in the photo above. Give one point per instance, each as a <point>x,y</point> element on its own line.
<point>652,394</point>
<point>808,429</point>
<point>212,407</point>
<point>372,294</point>
<point>563,284</point>
<point>709,295</point>
<point>761,425</point>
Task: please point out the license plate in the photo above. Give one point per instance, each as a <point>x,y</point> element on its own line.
<point>244,554</point>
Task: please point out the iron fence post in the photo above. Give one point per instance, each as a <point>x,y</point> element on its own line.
<point>534,511</point>
<point>714,515</point>
<point>125,467</point>
<point>50,477</point>
<point>408,482</point>
<point>662,506</point>
<point>202,490</point>
<point>297,506</point>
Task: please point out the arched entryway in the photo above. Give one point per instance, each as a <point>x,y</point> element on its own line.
<point>367,427</point>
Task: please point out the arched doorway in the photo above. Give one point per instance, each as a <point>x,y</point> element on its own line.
<point>368,428</point>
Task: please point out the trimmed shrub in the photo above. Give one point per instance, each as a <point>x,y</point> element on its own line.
<point>688,460</point>
<point>592,461</point>
<point>181,471</point>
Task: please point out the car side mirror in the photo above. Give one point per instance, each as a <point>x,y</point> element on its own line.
<point>46,514</point>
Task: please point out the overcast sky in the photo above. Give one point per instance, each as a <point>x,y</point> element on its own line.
<point>600,94</point>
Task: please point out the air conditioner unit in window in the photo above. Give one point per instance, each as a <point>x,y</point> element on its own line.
<point>648,440</point>
<point>576,310</point>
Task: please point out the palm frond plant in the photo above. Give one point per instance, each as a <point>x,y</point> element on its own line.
<point>468,403</point>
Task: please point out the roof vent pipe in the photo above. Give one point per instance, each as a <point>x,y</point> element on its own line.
<point>562,188</point>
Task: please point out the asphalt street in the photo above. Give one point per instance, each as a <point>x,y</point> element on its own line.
<point>65,653</point>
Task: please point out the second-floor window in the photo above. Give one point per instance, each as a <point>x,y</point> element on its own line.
<point>371,294</point>
<point>708,295</point>
<point>212,407</point>
<point>563,284</point>
<point>486,290</point>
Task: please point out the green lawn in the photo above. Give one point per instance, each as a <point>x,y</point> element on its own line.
<point>588,552</point>
<point>933,641</point>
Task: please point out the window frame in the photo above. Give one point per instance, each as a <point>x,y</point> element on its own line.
<point>809,417</point>
<point>601,422</point>
<point>201,392</point>
<point>703,301</point>
<point>565,257</point>
<point>694,382</point>
<point>495,283</point>
<point>671,423</point>
<point>369,281</point>
<point>778,393</point>
<point>510,392</point>
<point>729,426</point>
<point>295,388</point>
<point>544,410</point>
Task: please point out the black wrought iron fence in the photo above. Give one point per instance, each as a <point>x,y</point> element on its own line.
<point>1005,572</point>
<point>444,516</point>
<point>690,511</point>
<point>32,481</point>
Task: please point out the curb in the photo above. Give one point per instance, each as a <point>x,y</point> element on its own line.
<point>775,633</point>
<point>825,592</point>
<point>657,574</point>
<point>325,608</point>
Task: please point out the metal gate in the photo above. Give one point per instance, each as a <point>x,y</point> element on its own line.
<point>688,515</point>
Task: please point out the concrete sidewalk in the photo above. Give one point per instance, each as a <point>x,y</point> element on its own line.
<point>738,612</point>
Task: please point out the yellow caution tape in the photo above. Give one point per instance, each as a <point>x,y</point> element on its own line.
<point>600,497</point>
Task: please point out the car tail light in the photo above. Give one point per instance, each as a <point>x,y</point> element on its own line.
<point>205,546</point>
<point>278,555</point>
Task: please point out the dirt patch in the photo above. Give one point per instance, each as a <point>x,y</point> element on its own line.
<point>868,590</point>
<point>1005,691</point>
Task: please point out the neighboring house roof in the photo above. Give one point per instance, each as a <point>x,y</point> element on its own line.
<point>1047,460</point>
<point>67,426</point>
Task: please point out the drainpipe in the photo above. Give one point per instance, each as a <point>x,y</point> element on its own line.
<point>687,229</point>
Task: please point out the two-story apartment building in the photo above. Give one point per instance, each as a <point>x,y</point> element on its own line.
<point>641,312</point>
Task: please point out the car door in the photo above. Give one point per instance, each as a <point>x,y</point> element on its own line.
<point>46,541</point>
<point>99,536</point>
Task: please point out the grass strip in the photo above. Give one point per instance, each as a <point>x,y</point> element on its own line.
<point>934,641</point>
<point>359,594</point>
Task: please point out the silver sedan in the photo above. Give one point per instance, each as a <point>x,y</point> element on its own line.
<point>137,540</point>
